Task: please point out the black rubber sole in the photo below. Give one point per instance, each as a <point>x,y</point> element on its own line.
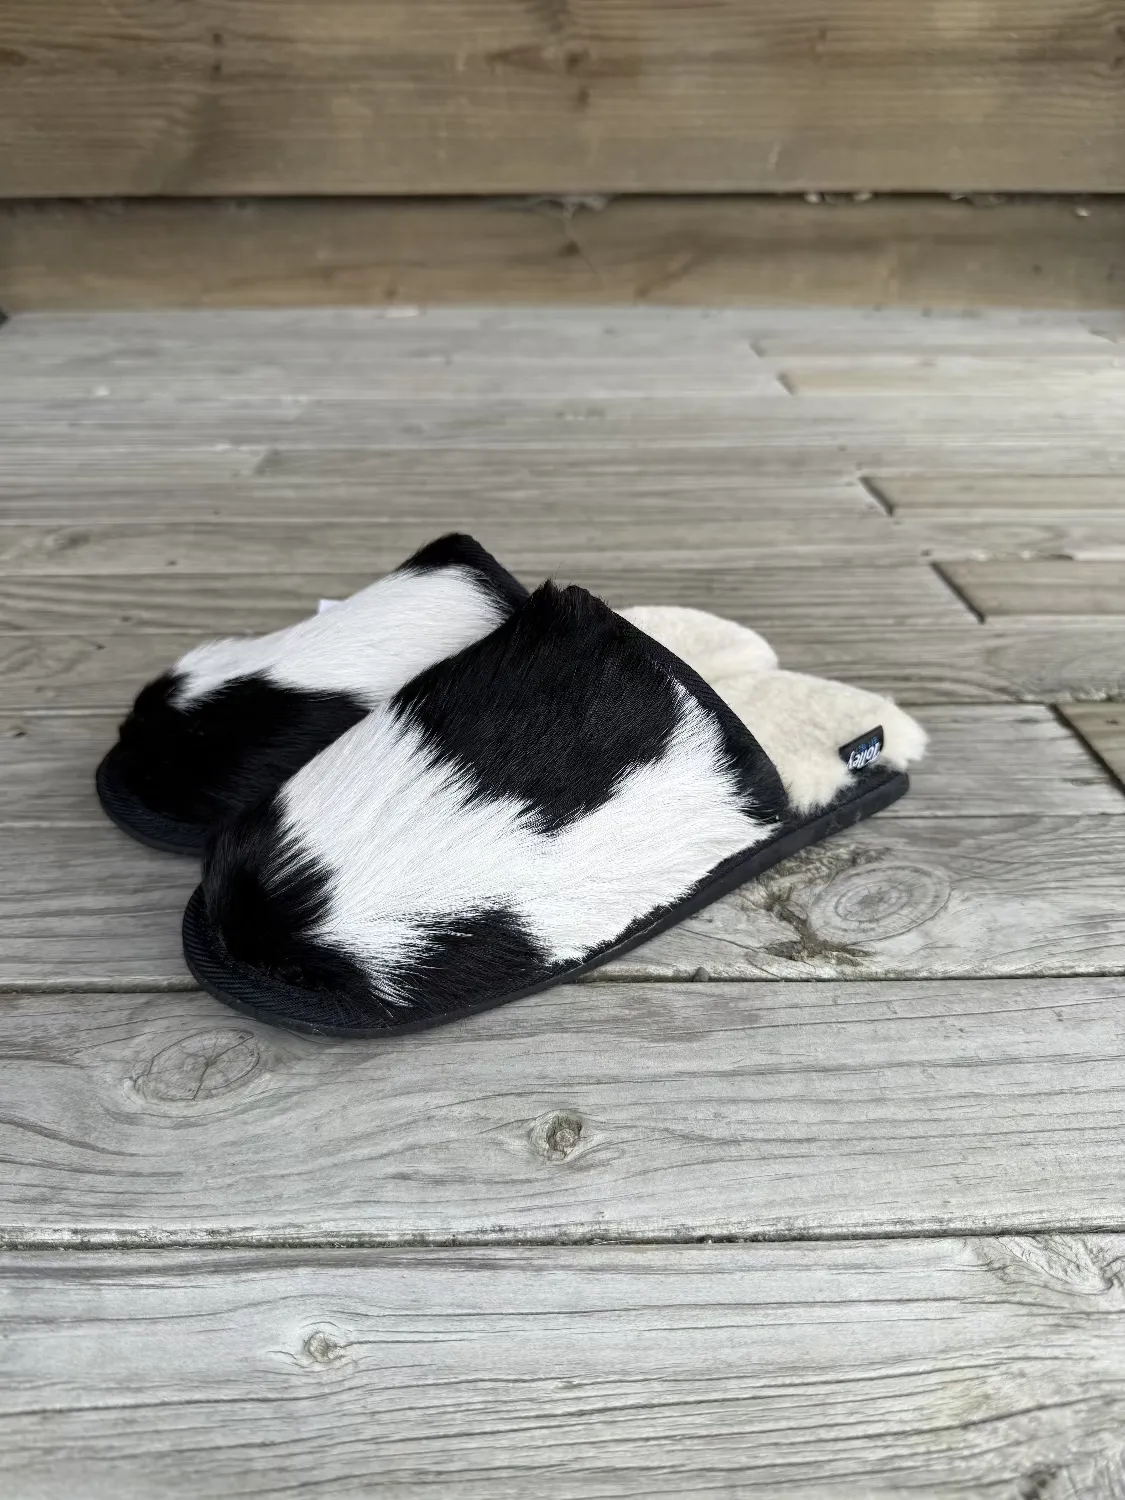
<point>250,991</point>
<point>131,815</point>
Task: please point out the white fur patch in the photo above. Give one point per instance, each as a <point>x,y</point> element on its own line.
<point>368,645</point>
<point>404,842</point>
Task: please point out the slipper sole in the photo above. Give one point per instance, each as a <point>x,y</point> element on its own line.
<point>248,990</point>
<point>143,823</point>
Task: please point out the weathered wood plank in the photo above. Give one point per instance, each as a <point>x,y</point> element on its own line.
<point>980,536</point>
<point>512,325</point>
<point>615,555</point>
<point>602,1112</point>
<point>832,435</point>
<point>977,516</point>
<point>947,1368</point>
<point>1042,586</point>
<point>1095,376</point>
<point>818,594</point>
<point>943,337</point>
<point>985,896</point>
<point>1024,661</point>
<point>911,897</point>
<point>1022,494</point>
<point>1020,662</point>
<point>47,768</point>
<point>376,486</point>
<point>690,250</point>
<point>983,761</point>
<point>1004,760</point>
<point>1101,725</point>
<point>488,96</point>
<point>184,364</point>
<point>87,906</point>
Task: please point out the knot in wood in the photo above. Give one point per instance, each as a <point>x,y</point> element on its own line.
<point>880,900</point>
<point>200,1067</point>
<point>320,1348</point>
<point>556,1136</point>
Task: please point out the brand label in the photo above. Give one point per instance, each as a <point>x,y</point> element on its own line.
<point>865,751</point>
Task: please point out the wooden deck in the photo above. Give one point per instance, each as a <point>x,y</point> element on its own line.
<point>821,1194</point>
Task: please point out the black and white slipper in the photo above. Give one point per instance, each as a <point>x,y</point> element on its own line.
<point>556,793</point>
<point>234,718</point>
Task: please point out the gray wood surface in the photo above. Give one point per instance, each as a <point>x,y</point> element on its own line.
<point>1008,493</point>
<point>942,1368</point>
<point>596,1112</point>
<point>391,487</point>
<point>1042,586</point>
<point>1093,375</point>
<point>600,550</point>
<point>1102,725</point>
<point>954,896</point>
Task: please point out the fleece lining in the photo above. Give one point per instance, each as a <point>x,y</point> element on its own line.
<point>801,722</point>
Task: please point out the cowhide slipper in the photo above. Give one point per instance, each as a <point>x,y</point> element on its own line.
<point>556,793</point>
<point>233,719</point>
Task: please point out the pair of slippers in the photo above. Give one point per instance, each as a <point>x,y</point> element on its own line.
<point>445,793</point>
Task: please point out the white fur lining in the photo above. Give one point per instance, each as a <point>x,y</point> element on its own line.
<point>368,645</point>
<point>799,721</point>
<point>404,842</point>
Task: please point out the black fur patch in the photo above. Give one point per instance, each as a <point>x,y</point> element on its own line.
<point>208,759</point>
<point>460,551</point>
<point>470,959</point>
<point>264,917</point>
<point>552,709</point>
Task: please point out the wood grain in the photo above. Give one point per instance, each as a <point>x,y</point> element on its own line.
<point>1042,586</point>
<point>909,897</point>
<point>613,554</point>
<point>1102,725</point>
<point>982,761</point>
<point>1019,494</point>
<point>908,252</point>
<point>947,1368</point>
<point>833,436</point>
<point>489,96</point>
<point>914,376</point>
<point>978,516</point>
<point>391,487</point>
<point>86,906</point>
<point>114,577</point>
<point>47,766</point>
<point>897,897</point>
<point>602,1112</point>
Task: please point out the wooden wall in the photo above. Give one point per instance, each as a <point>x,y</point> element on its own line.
<point>427,98</point>
<point>529,96</point>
